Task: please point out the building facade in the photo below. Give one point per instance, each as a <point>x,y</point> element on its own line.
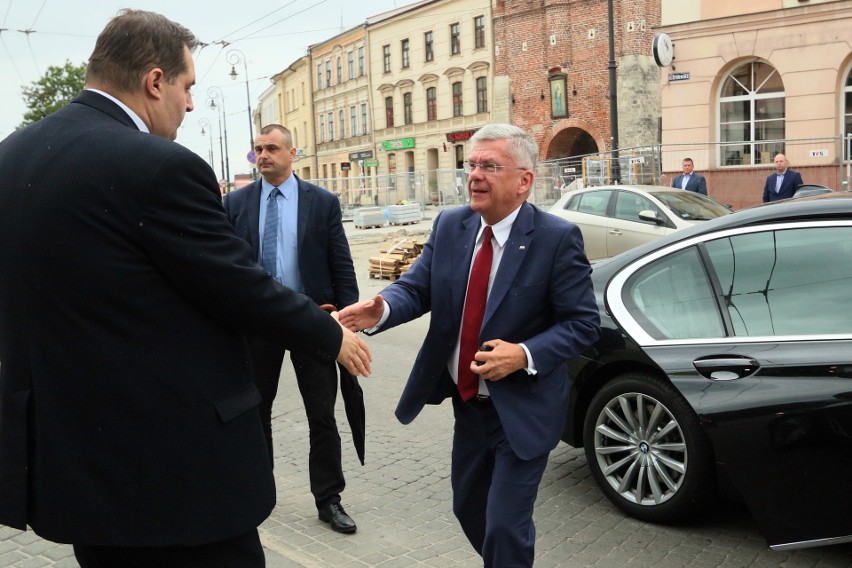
<point>753,79</point>
<point>552,68</point>
<point>342,118</point>
<point>431,66</point>
<point>294,108</point>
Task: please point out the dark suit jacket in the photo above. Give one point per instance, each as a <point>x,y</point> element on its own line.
<point>792,180</point>
<point>542,296</point>
<point>127,407</point>
<point>325,262</point>
<point>696,183</point>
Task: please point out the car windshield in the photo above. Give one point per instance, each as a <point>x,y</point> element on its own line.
<point>691,206</point>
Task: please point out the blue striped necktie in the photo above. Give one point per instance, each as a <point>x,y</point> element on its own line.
<point>269,249</point>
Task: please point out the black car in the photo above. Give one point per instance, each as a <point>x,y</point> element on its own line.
<point>725,365</point>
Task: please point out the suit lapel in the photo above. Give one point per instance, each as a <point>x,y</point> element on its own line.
<point>514,253</point>
<point>253,195</point>
<point>306,198</point>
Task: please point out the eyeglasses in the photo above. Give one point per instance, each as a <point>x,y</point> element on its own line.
<point>486,168</point>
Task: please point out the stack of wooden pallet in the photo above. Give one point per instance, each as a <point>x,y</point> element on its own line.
<point>395,258</point>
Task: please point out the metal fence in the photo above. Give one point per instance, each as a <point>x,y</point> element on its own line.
<point>734,172</point>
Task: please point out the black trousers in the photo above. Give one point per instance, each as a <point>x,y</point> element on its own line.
<point>317,381</point>
<point>241,552</point>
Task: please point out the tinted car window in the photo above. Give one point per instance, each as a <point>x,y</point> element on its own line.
<point>788,282</point>
<point>628,205</point>
<point>672,298</point>
<point>594,202</point>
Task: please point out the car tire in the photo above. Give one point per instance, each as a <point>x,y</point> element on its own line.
<point>646,449</point>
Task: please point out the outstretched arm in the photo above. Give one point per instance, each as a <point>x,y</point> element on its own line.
<point>362,315</point>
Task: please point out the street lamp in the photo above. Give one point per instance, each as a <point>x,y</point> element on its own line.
<point>205,126</point>
<point>235,56</point>
<point>215,93</point>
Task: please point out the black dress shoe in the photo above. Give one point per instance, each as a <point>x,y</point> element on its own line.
<point>334,515</point>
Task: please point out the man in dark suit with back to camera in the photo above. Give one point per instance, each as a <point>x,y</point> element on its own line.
<point>129,424</point>
<point>689,180</point>
<point>783,183</point>
<point>303,244</point>
<point>511,300</point>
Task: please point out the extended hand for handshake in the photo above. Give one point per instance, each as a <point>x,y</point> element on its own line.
<point>354,353</point>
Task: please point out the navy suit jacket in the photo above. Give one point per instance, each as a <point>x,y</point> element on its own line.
<point>325,261</point>
<point>128,410</point>
<point>542,296</point>
<point>792,180</point>
<point>696,183</point>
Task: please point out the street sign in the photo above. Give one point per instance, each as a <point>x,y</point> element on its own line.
<point>252,157</point>
<point>819,153</point>
<point>639,160</point>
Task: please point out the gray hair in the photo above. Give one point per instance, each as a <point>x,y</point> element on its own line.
<point>521,145</point>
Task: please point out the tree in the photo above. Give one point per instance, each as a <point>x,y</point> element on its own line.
<point>57,87</point>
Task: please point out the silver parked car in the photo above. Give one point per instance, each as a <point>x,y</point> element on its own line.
<point>617,218</point>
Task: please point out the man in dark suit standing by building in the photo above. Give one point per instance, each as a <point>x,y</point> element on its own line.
<point>128,413</point>
<point>689,180</point>
<point>783,183</point>
<point>511,300</point>
<point>302,243</point>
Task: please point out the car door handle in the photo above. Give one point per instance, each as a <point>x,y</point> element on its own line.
<point>614,232</point>
<point>726,368</point>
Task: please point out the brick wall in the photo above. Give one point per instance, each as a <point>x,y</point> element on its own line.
<point>534,39</point>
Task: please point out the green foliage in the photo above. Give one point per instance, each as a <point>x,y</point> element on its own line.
<point>56,88</point>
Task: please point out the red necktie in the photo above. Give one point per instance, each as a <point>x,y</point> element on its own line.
<point>474,310</point>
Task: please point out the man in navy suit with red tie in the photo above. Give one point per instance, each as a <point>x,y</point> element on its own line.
<point>540,311</point>
<point>783,183</point>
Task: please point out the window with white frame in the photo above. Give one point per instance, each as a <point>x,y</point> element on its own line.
<point>386,58</point>
<point>481,94</point>
<point>406,108</point>
<point>479,32</point>
<point>328,73</point>
<point>341,123</point>
<point>339,69</point>
<point>330,126</point>
<point>458,107</point>
<point>405,53</point>
<point>752,112</point>
<point>455,39</point>
<point>428,46</point>
<point>364,124</point>
<point>322,128</point>
<point>389,112</point>
<point>353,120</point>
<point>360,61</point>
<point>319,75</point>
<point>350,65</point>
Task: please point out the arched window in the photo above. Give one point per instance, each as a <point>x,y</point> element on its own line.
<point>751,115</point>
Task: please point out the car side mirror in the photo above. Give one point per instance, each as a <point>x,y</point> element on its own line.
<point>650,216</point>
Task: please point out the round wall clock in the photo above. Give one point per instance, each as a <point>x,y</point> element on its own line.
<point>663,50</point>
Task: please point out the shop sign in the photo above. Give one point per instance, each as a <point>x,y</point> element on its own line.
<point>401,144</point>
<point>360,155</point>
<point>460,135</point>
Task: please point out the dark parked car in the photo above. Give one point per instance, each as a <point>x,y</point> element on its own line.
<point>725,364</point>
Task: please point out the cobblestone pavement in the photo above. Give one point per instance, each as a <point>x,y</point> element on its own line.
<point>401,498</point>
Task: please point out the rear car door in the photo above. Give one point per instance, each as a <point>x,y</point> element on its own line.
<point>626,229</point>
<point>754,327</point>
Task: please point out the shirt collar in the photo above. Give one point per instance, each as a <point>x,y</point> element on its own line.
<point>502,228</point>
<point>133,116</point>
<point>287,184</point>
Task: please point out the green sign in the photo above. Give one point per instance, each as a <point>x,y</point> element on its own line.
<point>371,163</point>
<point>401,144</point>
